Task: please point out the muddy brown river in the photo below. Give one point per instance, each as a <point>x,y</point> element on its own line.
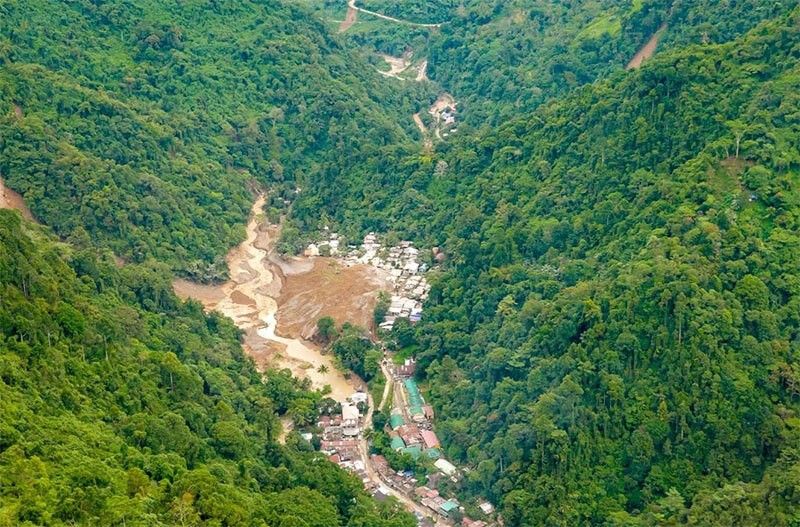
<point>277,302</point>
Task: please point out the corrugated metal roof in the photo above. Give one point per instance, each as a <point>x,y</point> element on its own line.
<point>413,451</point>
<point>396,421</point>
<point>429,438</point>
<point>397,443</point>
<point>433,453</point>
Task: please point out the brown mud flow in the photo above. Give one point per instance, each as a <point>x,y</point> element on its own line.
<point>277,303</point>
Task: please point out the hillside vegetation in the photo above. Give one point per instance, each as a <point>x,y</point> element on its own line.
<point>612,340</point>
<point>615,340</point>
<point>123,406</point>
<point>503,58</point>
<point>141,125</point>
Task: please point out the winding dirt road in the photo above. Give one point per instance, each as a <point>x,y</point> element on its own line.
<point>351,4</point>
<point>350,18</point>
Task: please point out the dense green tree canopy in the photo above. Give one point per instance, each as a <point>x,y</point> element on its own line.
<point>122,405</point>
<point>145,123</point>
<point>617,331</point>
<point>611,340</point>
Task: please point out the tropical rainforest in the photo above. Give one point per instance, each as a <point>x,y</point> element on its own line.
<point>123,405</point>
<point>612,340</point>
<point>142,125</point>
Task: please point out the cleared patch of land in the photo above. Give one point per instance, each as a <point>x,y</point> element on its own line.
<point>349,19</point>
<point>12,200</point>
<point>648,50</point>
<point>348,294</point>
<point>276,303</point>
<point>397,65</point>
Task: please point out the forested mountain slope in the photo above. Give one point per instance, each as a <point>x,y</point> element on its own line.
<point>123,406</point>
<point>500,58</point>
<point>616,339</point>
<point>505,57</point>
<point>142,124</point>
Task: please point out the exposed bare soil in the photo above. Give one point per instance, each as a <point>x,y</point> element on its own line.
<point>422,71</point>
<point>12,200</point>
<point>349,19</point>
<point>277,303</point>
<point>648,50</point>
<point>426,138</point>
<point>348,294</point>
<point>397,65</point>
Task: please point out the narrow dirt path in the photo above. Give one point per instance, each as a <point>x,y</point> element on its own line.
<point>397,65</point>
<point>648,50</point>
<point>287,425</point>
<point>426,138</point>
<point>349,19</point>
<point>387,387</point>
<point>351,4</point>
<point>422,71</point>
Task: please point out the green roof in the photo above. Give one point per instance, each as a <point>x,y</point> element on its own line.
<point>414,397</point>
<point>433,453</point>
<point>396,421</point>
<point>449,506</point>
<point>397,443</point>
<point>413,451</point>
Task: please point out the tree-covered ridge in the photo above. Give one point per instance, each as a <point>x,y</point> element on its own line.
<point>142,123</point>
<point>419,11</point>
<point>122,405</point>
<point>478,56</point>
<point>616,340</point>
<point>503,58</point>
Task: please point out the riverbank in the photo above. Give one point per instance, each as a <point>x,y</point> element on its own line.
<point>276,303</point>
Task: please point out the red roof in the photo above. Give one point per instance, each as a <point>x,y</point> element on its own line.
<point>430,439</point>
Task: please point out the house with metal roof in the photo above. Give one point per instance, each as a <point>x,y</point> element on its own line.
<point>448,507</point>
<point>396,421</point>
<point>397,442</point>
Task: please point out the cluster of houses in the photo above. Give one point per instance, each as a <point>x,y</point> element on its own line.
<point>449,116</point>
<point>341,433</point>
<point>404,481</point>
<point>410,429</point>
<point>445,116</point>
<point>431,499</point>
<point>401,263</point>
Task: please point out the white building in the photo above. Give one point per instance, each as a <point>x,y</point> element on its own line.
<point>350,416</point>
<point>447,468</point>
<point>359,397</point>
